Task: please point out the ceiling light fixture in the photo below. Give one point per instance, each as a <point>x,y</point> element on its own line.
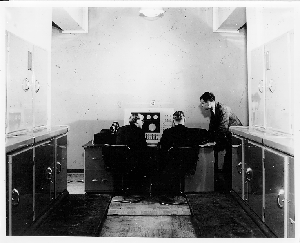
<point>152,13</point>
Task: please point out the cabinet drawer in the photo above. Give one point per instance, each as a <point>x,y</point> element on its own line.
<point>93,159</point>
<point>274,191</point>
<point>253,176</point>
<point>98,180</point>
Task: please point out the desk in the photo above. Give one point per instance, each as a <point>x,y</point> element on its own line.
<point>99,180</point>
<point>203,179</point>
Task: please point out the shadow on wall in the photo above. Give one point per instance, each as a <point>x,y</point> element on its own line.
<point>80,133</point>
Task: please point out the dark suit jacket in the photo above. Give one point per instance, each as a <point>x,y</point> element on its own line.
<point>220,121</point>
<point>178,136</point>
<point>134,138</point>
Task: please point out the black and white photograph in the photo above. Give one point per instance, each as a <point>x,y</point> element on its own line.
<point>141,120</point>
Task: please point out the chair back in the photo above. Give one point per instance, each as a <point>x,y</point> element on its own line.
<point>184,158</point>
<point>115,156</point>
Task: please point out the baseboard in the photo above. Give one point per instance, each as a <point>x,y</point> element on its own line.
<point>75,170</point>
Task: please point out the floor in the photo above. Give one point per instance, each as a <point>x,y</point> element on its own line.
<point>75,183</point>
<point>148,218</point>
<point>201,215</point>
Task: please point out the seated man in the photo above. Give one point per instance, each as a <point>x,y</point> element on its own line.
<point>177,136</point>
<point>133,136</point>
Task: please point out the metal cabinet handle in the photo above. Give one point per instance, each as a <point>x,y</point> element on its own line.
<point>37,86</point>
<point>249,174</point>
<point>271,85</point>
<point>261,86</point>
<point>280,193</point>
<point>25,84</point>
<point>58,167</point>
<point>292,221</point>
<point>239,168</point>
<point>102,181</point>
<point>48,173</point>
<point>15,197</point>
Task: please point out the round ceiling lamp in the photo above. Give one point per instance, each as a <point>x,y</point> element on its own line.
<point>152,13</point>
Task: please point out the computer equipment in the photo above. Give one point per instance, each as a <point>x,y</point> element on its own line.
<point>156,120</point>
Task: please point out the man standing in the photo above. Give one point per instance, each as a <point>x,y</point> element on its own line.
<point>221,119</point>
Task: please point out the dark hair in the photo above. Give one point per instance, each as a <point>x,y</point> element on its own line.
<point>178,115</point>
<point>133,118</point>
<point>207,96</point>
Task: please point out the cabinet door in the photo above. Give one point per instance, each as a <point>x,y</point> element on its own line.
<point>254,177</point>
<point>19,84</point>
<point>291,200</point>
<point>278,84</point>
<point>203,179</point>
<point>20,194</point>
<point>96,178</point>
<point>61,165</point>
<point>44,176</point>
<point>274,191</point>
<point>40,82</point>
<point>237,166</point>
<point>257,87</point>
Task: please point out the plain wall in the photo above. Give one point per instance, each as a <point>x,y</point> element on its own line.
<point>127,61</point>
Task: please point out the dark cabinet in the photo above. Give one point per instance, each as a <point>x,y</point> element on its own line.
<point>274,165</point>
<point>254,177</point>
<point>44,176</point>
<point>291,199</point>
<point>237,166</point>
<point>267,178</point>
<point>96,176</point>
<point>35,176</point>
<point>19,207</point>
<point>61,165</point>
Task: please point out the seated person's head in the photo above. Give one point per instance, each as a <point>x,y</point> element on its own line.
<point>114,127</point>
<point>178,118</point>
<point>137,120</point>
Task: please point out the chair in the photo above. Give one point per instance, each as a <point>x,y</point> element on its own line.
<point>125,166</point>
<point>183,161</point>
<point>116,160</point>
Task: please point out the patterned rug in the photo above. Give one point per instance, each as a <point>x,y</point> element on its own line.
<point>149,207</point>
<point>218,215</point>
<point>77,215</point>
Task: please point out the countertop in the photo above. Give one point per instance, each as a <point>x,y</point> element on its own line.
<point>275,140</point>
<point>23,140</point>
<point>151,145</point>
